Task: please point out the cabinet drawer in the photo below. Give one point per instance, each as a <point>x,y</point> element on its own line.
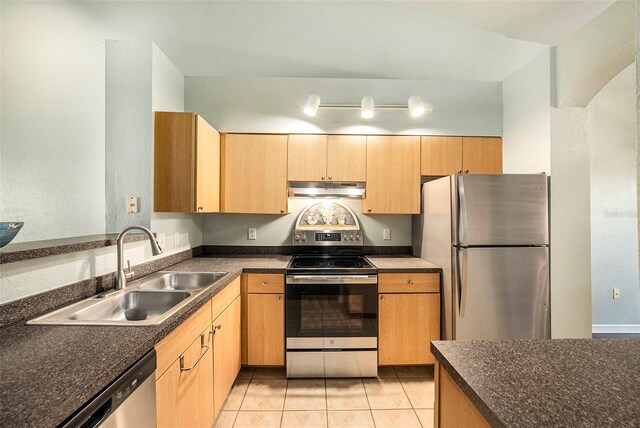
<point>223,299</point>
<point>409,283</point>
<point>171,347</point>
<point>265,283</point>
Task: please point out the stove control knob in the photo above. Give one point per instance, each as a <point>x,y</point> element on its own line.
<point>304,237</point>
<point>351,237</point>
<point>357,237</point>
<point>297,238</point>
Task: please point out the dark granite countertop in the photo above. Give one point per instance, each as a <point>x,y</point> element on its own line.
<point>391,264</point>
<point>542,383</point>
<point>48,372</point>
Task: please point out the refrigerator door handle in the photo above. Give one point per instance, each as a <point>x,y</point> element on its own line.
<point>462,221</point>
<point>462,280</point>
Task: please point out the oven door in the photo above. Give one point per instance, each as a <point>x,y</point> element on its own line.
<point>331,311</point>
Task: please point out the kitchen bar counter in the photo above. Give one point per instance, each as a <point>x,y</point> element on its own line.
<point>410,264</point>
<point>560,382</point>
<point>48,372</point>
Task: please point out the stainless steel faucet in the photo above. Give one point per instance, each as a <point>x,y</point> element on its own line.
<point>121,276</point>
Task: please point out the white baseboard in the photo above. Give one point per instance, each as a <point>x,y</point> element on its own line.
<point>615,328</point>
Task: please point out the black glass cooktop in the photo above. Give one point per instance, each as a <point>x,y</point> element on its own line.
<point>327,264</point>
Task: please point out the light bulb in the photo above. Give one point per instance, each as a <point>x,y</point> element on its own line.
<point>313,103</point>
<point>416,107</point>
<point>367,107</point>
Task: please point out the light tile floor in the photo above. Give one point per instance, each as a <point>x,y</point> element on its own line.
<point>265,398</point>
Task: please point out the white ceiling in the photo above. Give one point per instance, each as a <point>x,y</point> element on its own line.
<point>319,39</point>
<point>544,21</point>
<point>431,40</point>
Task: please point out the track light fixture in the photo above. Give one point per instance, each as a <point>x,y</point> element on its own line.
<point>313,103</point>
<point>367,106</point>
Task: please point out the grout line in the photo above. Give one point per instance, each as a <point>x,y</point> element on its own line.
<point>326,402</point>
<point>286,389</point>
<point>368,402</point>
<point>419,421</point>
<point>406,395</point>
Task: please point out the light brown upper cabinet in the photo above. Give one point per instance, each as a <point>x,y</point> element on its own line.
<point>327,158</point>
<point>458,155</point>
<point>393,175</point>
<point>441,155</point>
<point>307,158</point>
<point>186,164</point>
<point>347,158</point>
<point>254,173</point>
<point>482,155</point>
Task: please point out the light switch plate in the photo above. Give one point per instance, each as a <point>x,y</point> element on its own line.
<point>252,234</point>
<point>616,293</point>
<point>386,234</point>
<point>161,239</point>
<point>132,204</point>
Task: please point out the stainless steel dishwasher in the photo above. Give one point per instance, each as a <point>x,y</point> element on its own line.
<point>129,401</point>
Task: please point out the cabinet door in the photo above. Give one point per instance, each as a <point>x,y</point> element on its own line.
<point>441,155</point>
<point>265,329</point>
<point>226,353</point>
<point>184,398</point>
<point>254,173</point>
<point>482,155</point>
<point>174,139</point>
<point>393,175</point>
<point>407,323</point>
<point>207,168</point>
<point>347,158</point>
<point>307,158</point>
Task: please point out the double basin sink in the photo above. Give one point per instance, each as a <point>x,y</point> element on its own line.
<point>147,301</point>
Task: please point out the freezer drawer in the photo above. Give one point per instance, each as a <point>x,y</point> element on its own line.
<point>501,293</point>
<point>501,210</point>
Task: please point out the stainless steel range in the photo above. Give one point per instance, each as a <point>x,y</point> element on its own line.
<point>331,300</point>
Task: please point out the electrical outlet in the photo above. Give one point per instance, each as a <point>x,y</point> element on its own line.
<point>252,234</point>
<point>386,234</point>
<point>616,293</point>
<point>132,204</point>
<point>160,239</point>
<point>176,239</point>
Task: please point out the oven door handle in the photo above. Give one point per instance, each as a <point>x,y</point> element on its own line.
<point>332,279</point>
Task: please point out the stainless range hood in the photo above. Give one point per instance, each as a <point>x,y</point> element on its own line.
<point>319,189</point>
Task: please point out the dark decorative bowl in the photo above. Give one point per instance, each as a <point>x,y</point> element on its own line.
<point>8,231</point>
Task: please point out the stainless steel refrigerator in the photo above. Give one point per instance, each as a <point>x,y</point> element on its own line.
<point>490,235</point>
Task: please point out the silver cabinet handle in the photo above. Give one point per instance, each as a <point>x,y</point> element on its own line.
<point>264,282</point>
<point>410,282</point>
<point>202,346</point>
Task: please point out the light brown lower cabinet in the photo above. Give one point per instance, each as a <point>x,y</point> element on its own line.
<point>196,368</point>
<point>453,408</point>
<point>226,352</point>
<point>407,323</point>
<point>184,393</point>
<point>265,329</point>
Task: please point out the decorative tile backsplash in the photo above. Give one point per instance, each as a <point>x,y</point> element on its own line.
<point>325,213</point>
